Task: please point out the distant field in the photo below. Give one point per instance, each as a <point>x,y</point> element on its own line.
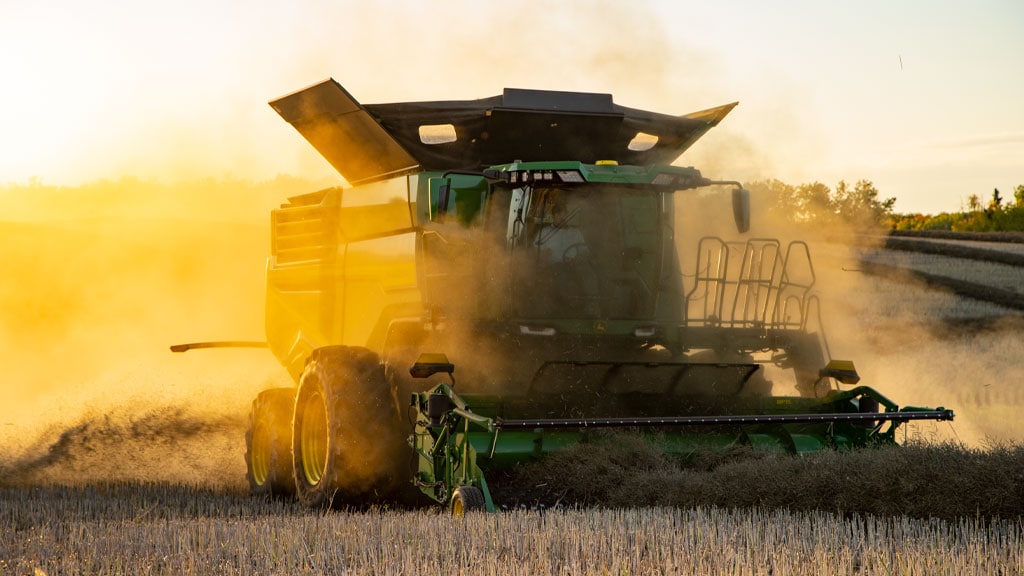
<point>987,271</point>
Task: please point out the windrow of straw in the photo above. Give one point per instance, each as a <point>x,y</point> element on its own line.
<point>947,481</point>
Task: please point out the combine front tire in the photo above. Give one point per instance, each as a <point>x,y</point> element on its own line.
<point>346,442</point>
<point>268,443</point>
<point>467,499</point>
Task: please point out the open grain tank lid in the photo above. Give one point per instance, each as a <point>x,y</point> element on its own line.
<point>377,141</point>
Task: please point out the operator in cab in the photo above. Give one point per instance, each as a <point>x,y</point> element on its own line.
<point>560,241</point>
<point>563,251</point>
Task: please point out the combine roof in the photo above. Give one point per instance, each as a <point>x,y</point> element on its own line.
<point>375,141</point>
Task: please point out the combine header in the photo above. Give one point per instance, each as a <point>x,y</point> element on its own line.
<point>528,240</point>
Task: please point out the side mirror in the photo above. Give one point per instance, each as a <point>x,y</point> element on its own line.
<point>443,195</point>
<point>741,209</point>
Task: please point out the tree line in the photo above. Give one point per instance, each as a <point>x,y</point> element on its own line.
<point>996,215</point>
<point>862,206</point>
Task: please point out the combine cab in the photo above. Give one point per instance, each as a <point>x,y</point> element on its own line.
<point>525,246</point>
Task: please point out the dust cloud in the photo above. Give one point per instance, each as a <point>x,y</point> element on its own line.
<point>101,279</point>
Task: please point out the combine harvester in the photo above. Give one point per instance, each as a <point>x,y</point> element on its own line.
<point>529,240</point>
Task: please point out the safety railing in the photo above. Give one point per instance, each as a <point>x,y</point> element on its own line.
<point>754,284</point>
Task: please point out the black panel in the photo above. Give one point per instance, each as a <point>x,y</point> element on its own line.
<point>376,141</point>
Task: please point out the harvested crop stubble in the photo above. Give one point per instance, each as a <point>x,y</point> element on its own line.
<point>993,274</point>
<point>220,537</point>
<point>1012,299</point>
<point>1004,253</point>
<point>986,271</point>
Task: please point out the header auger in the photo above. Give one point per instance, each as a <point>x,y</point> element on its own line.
<point>527,240</point>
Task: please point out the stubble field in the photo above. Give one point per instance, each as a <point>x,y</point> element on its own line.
<point>181,530</point>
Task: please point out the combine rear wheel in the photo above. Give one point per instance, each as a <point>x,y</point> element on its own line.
<point>268,443</point>
<point>346,442</point>
<point>467,499</point>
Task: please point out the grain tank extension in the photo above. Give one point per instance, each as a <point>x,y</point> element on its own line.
<point>503,278</point>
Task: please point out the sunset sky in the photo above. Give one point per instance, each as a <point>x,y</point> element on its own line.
<point>924,98</point>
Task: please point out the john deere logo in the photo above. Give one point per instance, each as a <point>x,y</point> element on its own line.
<point>600,327</point>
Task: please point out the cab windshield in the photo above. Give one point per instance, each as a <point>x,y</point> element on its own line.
<point>585,251</point>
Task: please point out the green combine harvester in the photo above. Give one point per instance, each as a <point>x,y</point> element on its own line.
<point>526,243</point>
